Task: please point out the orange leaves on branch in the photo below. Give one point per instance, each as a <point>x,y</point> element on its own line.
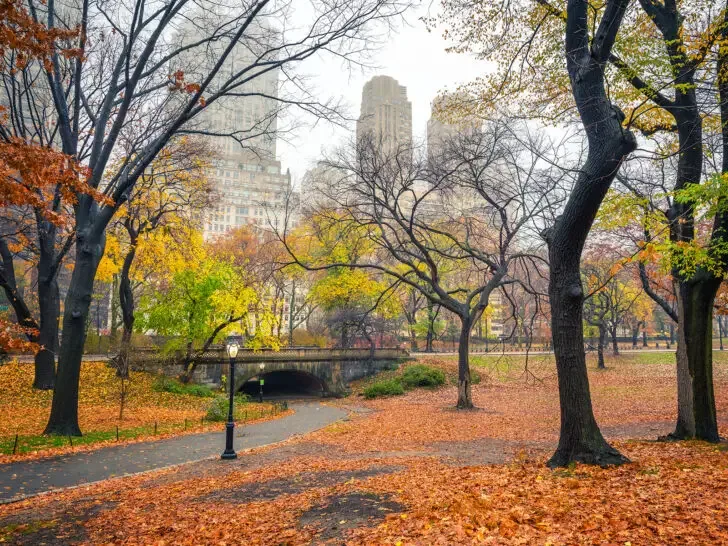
<point>13,337</point>
<point>29,39</point>
<point>177,83</point>
<point>30,175</point>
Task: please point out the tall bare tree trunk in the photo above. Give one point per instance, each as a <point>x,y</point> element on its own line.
<point>126,302</point>
<point>64,409</point>
<point>600,347</point>
<point>465,399</point>
<point>615,344</point>
<point>609,143</point>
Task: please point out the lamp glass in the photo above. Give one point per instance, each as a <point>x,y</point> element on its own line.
<point>262,366</point>
<point>232,349</point>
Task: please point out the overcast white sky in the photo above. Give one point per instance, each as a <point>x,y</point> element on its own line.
<point>413,56</point>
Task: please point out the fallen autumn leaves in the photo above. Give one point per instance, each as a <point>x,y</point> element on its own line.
<point>417,459</point>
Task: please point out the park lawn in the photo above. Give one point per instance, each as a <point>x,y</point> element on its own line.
<point>413,472</point>
<point>147,412</point>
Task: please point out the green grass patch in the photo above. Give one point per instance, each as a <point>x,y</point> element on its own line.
<point>39,442</point>
<point>167,384</point>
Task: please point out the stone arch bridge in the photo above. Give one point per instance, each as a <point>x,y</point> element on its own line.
<point>326,370</point>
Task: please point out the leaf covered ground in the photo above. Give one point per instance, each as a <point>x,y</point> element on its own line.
<point>410,470</point>
<point>147,412</point>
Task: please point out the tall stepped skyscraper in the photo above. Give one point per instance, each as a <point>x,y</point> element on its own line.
<point>385,112</point>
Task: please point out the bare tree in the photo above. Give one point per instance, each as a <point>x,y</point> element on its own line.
<point>158,66</point>
<point>451,225</point>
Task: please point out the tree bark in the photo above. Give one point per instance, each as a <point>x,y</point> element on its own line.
<point>64,409</point>
<point>413,336</point>
<point>126,302</point>
<point>696,397</point>
<point>46,333</point>
<point>49,311</point>
<point>600,347</point>
<point>615,344</point>
<point>635,335</point>
<point>720,331</point>
<point>465,399</point>
<point>580,438</point>
<point>431,317</point>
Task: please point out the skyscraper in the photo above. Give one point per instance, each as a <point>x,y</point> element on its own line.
<point>246,175</point>
<point>385,112</point>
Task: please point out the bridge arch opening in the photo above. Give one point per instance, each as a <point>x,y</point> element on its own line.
<point>282,384</point>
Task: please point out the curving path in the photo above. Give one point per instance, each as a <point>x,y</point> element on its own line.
<point>21,479</point>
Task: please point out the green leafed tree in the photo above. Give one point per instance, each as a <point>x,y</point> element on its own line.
<point>199,306</point>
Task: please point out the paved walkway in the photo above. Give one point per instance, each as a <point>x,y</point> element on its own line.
<point>33,477</point>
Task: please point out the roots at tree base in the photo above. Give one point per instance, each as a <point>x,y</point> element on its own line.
<point>63,429</point>
<point>604,455</point>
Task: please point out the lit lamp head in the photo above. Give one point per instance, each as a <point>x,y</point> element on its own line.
<point>232,349</point>
<point>261,366</point>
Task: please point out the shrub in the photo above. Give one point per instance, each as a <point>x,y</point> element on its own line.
<point>419,375</point>
<point>386,387</point>
<point>203,391</point>
<point>218,408</point>
<point>167,384</point>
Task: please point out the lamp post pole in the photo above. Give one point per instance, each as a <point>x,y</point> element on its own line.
<point>229,453</point>
<point>260,383</point>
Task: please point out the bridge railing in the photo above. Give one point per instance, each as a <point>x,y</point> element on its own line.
<point>217,354</point>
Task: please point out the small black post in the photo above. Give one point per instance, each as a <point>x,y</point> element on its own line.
<point>155,428</point>
<point>70,440</point>
<point>15,445</point>
<point>117,433</point>
<point>185,424</point>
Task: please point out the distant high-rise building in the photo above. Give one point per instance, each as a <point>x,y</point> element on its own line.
<point>246,175</point>
<point>385,112</point>
<point>439,132</point>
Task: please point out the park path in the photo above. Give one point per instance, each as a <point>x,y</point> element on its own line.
<point>29,478</point>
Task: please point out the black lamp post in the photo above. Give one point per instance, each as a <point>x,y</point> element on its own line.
<point>260,382</point>
<point>229,453</point>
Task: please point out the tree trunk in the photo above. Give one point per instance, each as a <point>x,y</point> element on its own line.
<point>635,335</point>
<point>580,439</point>
<point>413,336</point>
<point>291,313</point>
<point>696,397</point>
<point>615,345</point>
<point>720,331</point>
<point>189,364</point>
<point>685,426</point>
<point>49,310</point>
<point>644,338</point>
<point>431,317</point>
<point>126,302</point>
<point>465,400</point>
<point>600,347</point>
<point>64,409</point>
